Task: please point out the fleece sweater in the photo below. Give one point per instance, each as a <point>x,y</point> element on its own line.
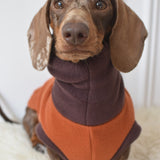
<point>85,113</point>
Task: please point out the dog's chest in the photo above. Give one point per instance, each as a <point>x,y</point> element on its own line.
<point>90,92</point>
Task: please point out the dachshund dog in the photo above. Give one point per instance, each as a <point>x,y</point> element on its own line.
<point>84,44</point>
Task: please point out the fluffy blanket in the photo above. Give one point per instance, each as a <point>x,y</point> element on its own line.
<point>15,145</point>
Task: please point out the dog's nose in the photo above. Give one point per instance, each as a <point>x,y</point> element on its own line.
<point>75,33</point>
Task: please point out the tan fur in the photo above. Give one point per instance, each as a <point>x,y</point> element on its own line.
<point>126,40</point>
<point>92,46</point>
<point>39,38</point>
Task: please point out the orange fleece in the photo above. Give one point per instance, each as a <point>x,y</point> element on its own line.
<point>78,141</point>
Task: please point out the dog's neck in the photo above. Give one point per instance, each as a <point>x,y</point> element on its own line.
<point>90,92</point>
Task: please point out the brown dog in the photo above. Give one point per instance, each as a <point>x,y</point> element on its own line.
<point>81,28</point>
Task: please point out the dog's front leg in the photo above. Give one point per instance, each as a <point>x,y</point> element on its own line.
<point>30,121</point>
<point>53,155</point>
<point>125,155</point>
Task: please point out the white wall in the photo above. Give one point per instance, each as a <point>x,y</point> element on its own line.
<point>18,79</point>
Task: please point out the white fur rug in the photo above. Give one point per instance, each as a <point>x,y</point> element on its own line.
<point>15,145</point>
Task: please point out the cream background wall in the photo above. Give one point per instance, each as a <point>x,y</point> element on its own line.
<point>18,79</point>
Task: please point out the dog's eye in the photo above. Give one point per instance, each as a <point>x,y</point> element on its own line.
<point>100,5</point>
<point>59,5</point>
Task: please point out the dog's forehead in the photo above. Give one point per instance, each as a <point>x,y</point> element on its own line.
<point>81,2</point>
<point>85,1</point>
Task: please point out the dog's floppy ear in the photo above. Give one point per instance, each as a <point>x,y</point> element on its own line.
<point>127,38</point>
<point>39,38</point>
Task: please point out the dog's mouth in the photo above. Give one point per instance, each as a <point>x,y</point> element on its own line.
<point>76,52</point>
<point>75,55</point>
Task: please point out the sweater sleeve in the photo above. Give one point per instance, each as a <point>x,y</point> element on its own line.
<point>39,95</point>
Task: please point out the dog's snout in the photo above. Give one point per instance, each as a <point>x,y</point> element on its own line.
<point>75,33</point>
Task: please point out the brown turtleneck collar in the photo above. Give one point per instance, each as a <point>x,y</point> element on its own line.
<point>89,92</point>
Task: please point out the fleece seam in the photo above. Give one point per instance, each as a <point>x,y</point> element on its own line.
<point>86,112</point>
<point>91,145</point>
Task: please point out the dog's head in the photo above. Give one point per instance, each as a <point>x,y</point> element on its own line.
<point>79,29</point>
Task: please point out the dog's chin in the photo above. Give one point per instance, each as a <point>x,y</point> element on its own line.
<point>74,57</point>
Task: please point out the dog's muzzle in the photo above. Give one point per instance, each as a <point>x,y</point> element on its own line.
<point>75,33</point>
